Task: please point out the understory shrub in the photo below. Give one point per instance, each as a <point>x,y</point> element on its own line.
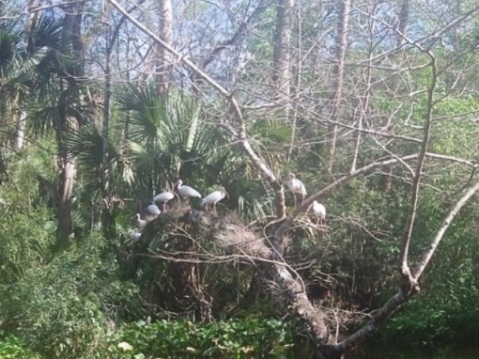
<point>250,338</point>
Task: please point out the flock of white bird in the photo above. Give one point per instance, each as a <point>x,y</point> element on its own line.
<point>187,192</point>
<point>153,210</point>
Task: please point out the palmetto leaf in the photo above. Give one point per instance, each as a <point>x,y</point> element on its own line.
<point>146,110</point>
<point>8,44</point>
<point>87,146</point>
<point>46,31</point>
<point>168,138</point>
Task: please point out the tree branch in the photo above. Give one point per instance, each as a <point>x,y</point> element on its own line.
<point>404,267</point>
<point>284,227</point>
<point>401,297</point>
<point>442,230</point>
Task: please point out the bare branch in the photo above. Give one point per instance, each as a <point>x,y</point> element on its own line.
<point>404,267</point>
<point>444,226</point>
<point>284,227</point>
<point>401,297</point>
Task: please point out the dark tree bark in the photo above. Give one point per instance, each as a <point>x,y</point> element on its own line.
<point>403,22</point>
<point>72,37</point>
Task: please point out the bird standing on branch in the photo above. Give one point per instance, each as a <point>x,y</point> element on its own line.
<point>187,191</point>
<point>163,198</point>
<point>319,212</point>
<point>297,187</point>
<point>153,210</point>
<point>214,198</point>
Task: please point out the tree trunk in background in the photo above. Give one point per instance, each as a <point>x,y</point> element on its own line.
<point>282,56</point>
<point>106,217</point>
<point>20,131</point>
<point>21,117</point>
<point>403,21</point>
<point>66,162</point>
<point>341,45</point>
<point>164,61</point>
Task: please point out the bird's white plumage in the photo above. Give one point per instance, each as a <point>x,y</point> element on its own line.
<point>153,209</point>
<point>134,235</point>
<point>319,210</point>
<point>164,197</point>
<point>187,191</point>
<point>140,223</point>
<point>295,185</point>
<point>214,197</point>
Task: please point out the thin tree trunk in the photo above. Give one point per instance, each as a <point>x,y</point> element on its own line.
<point>164,61</point>
<point>21,127</point>
<point>296,82</point>
<point>365,99</point>
<point>282,56</point>
<point>403,22</point>
<point>72,35</point>
<point>341,45</point>
<point>22,116</point>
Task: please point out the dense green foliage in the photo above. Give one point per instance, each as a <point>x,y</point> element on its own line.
<point>227,339</point>
<point>232,339</point>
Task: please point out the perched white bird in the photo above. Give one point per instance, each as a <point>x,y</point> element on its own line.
<point>153,210</point>
<point>297,187</point>
<point>214,198</point>
<point>140,223</point>
<point>319,211</point>
<point>163,198</point>
<point>134,235</point>
<point>187,191</point>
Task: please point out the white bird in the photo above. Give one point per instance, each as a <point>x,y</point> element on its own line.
<point>163,198</point>
<point>319,211</point>
<point>297,187</point>
<point>134,235</point>
<point>153,210</point>
<point>187,191</point>
<point>214,198</point>
<point>140,223</point>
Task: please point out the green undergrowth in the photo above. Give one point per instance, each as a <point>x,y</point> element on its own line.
<point>424,325</point>
<point>252,338</point>
<point>13,348</point>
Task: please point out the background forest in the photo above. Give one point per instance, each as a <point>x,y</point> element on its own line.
<point>373,105</point>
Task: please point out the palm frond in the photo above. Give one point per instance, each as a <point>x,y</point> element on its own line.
<point>87,146</point>
<point>146,109</point>
<point>47,32</point>
<point>8,44</point>
<point>43,119</point>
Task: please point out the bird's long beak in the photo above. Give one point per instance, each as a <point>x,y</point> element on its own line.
<point>227,195</point>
